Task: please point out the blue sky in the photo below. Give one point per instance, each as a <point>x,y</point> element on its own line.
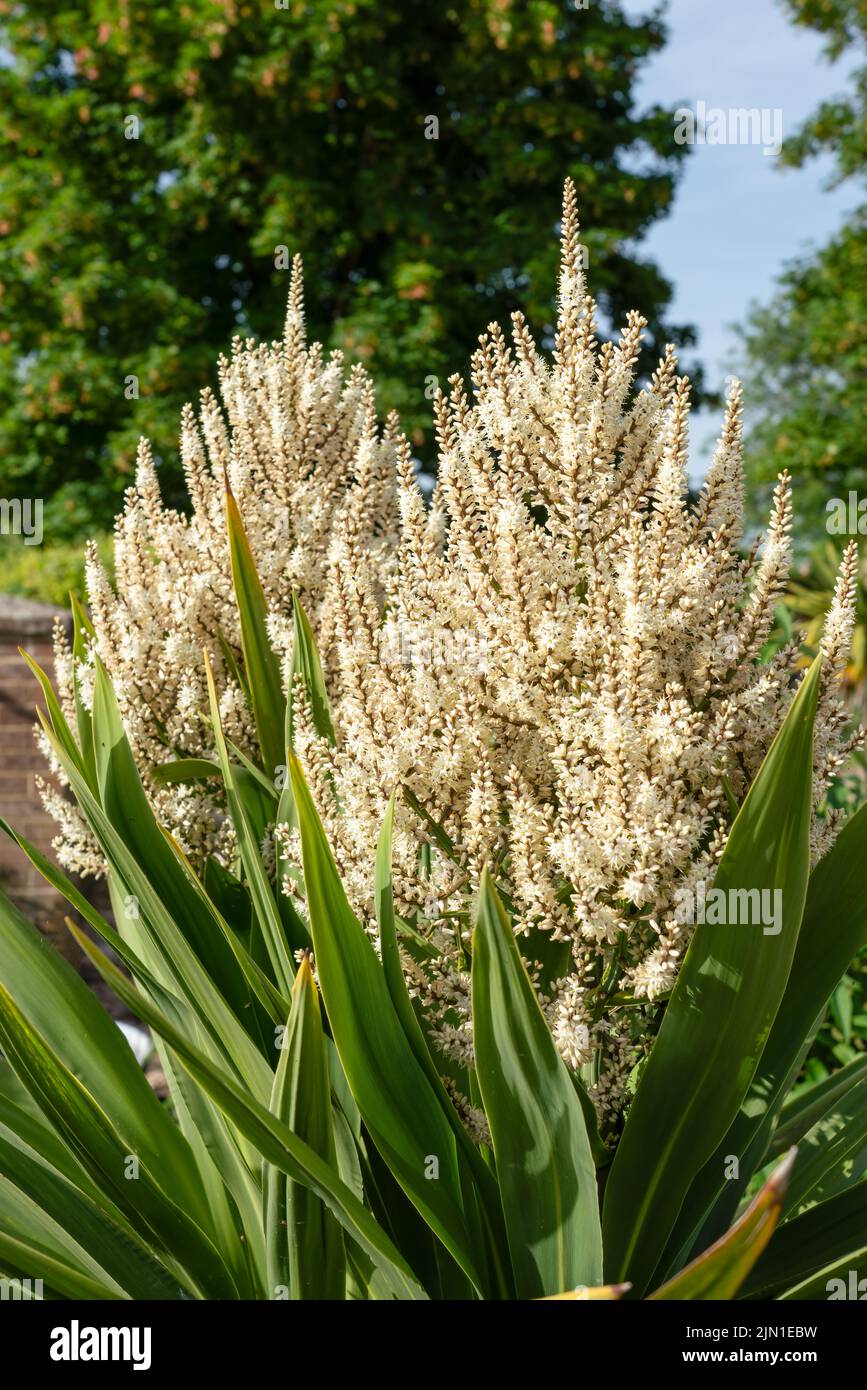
<point>737,217</point>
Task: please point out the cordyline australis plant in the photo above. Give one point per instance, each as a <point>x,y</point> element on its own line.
<point>534,723</point>
<point>556,664</point>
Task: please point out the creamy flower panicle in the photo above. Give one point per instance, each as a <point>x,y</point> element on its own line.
<point>297,441</point>
<point>556,662</point>
<point>588,756</point>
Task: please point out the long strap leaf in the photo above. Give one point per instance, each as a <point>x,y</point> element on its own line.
<point>491,1228</point>
<point>544,1163</point>
<point>720,1271</point>
<point>93,1136</point>
<point>833,929</point>
<point>722,1008</point>
<point>389,1086</point>
<point>274,1140</point>
<point>262,666</point>
<point>305,1243</point>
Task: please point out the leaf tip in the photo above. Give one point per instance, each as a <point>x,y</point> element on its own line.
<point>777,1183</point>
<point>304,977</point>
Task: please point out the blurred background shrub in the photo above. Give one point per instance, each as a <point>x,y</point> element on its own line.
<point>49,573</point>
<point>161,163</point>
<point>804,359</point>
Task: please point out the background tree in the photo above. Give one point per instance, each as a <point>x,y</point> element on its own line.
<point>807,350</point>
<point>156,158</point>
<point>807,411</point>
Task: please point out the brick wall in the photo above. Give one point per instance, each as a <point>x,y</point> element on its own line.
<point>28,625</point>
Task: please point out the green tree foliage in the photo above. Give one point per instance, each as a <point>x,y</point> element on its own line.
<point>807,349</point>
<point>807,352</point>
<point>155,158</point>
<point>808,378</point>
<point>837,126</point>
